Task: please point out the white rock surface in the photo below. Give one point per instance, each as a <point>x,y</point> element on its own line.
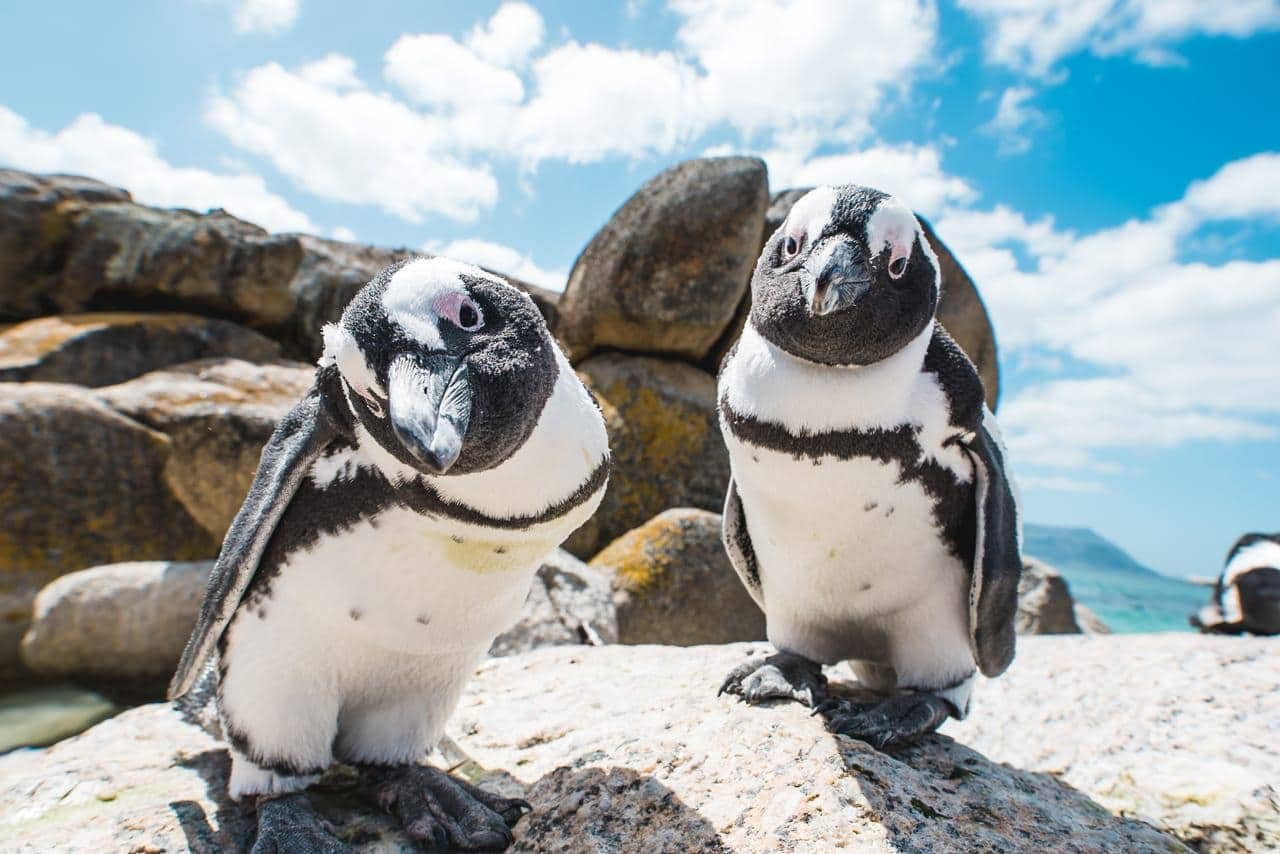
<point>628,749</point>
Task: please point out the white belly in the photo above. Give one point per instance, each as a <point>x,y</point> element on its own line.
<point>845,551</point>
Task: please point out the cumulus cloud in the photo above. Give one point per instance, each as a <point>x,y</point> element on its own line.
<point>1179,350</point>
<point>510,37</point>
<point>342,141</point>
<point>265,16</point>
<point>500,259</point>
<point>1033,37</point>
<point>91,146</point>
<point>1015,118</point>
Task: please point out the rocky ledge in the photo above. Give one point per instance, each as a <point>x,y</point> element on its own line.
<point>625,749</point>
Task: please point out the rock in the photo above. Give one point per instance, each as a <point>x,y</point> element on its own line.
<point>125,621</point>
<point>1089,622</point>
<point>569,603</point>
<point>618,748</point>
<point>1175,729</point>
<point>217,414</point>
<point>41,716</point>
<point>80,485</point>
<point>960,310</point>
<point>1045,606</point>
<point>37,218</point>
<point>667,271</point>
<point>665,439</point>
<point>102,349</point>
<point>673,583</point>
<point>70,244</point>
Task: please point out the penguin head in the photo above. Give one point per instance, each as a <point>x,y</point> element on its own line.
<point>447,367</point>
<point>847,279</point>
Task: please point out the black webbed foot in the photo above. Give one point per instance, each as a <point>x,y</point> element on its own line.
<point>782,676</point>
<point>288,824</point>
<point>440,811</point>
<point>895,722</point>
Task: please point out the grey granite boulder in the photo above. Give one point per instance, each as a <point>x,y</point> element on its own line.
<point>667,271</point>
<point>126,621</point>
<point>673,583</point>
<point>106,348</point>
<point>217,415</point>
<point>569,603</point>
<point>1045,606</point>
<point>665,440</point>
<point>619,749</point>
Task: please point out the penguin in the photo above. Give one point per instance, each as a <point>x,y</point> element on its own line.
<point>870,511</point>
<point>392,530</point>
<point>1246,596</point>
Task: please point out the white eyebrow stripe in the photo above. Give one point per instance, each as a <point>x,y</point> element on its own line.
<point>411,296</point>
<point>812,212</point>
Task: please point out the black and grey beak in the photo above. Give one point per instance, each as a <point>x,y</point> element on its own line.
<point>430,402</point>
<point>841,277</point>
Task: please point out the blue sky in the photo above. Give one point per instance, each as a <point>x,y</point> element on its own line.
<point>1108,170</point>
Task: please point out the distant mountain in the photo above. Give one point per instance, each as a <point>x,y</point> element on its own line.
<point>1128,596</point>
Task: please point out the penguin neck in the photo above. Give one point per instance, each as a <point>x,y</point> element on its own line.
<point>767,382</point>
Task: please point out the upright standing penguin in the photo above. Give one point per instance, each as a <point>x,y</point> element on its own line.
<point>392,531</point>
<point>869,512</point>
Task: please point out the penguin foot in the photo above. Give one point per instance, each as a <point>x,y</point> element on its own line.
<point>443,812</point>
<point>288,824</point>
<point>895,722</point>
<point>782,676</point>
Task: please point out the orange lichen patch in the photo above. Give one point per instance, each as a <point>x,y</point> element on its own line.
<point>641,558</point>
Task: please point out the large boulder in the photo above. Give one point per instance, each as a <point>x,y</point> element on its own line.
<point>644,757</point>
<point>217,414</point>
<point>1176,729</point>
<point>960,310</point>
<point>569,603</point>
<point>665,439</point>
<point>127,621</point>
<point>1045,606</point>
<point>70,244</point>
<point>102,349</point>
<point>673,583</point>
<point>80,485</point>
<point>666,273</point>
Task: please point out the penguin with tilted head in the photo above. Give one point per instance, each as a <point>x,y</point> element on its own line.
<point>392,531</point>
<point>870,511</point>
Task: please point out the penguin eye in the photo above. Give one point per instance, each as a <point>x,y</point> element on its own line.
<point>897,267</point>
<point>790,246</point>
<point>460,310</point>
<point>468,317</point>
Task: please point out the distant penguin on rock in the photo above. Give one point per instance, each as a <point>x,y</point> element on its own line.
<point>1246,596</point>
<point>393,529</point>
<point>870,511</point>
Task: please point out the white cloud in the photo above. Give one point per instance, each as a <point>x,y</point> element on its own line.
<point>913,173</point>
<point>341,232</point>
<point>344,142</point>
<point>1182,350</point>
<point>510,37</point>
<point>1033,36</point>
<point>91,146</point>
<point>500,259</point>
<point>265,16</point>
<point>437,71</point>
<point>1014,119</point>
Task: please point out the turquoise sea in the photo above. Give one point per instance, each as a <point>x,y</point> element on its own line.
<point>1128,596</point>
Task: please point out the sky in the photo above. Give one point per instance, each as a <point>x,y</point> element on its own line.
<point>1108,171</point>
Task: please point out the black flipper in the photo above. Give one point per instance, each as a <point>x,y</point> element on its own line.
<point>737,543</point>
<point>298,439</point>
<point>997,562</point>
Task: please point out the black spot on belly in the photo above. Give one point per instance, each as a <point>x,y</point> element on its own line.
<point>864,587</point>
<point>423,619</point>
<point>888,512</point>
<point>500,550</point>
<point>869,506</point>
<point>455,538</point>
<point>355,614</point>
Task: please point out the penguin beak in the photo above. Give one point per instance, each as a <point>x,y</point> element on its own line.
<point>839,278</point>
<point>430,402</point>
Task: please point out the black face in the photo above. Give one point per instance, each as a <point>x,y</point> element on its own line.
<point>833,301</point>
<point>466,406</point>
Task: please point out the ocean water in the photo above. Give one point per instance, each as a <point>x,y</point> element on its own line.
<point>1128,596</point>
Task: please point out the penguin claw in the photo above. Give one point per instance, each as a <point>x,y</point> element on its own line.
<point>895,722</point>
<point>443,812</point>
<point>288,824</point>
<point>782,676</point>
